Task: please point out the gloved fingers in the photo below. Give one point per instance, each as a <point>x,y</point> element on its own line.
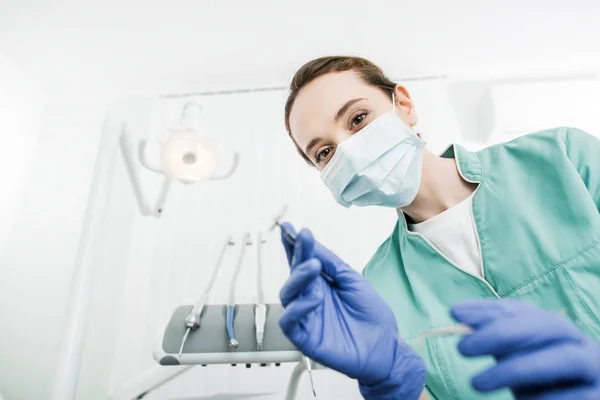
<point>479,312</point>
<point>293,320</point>
<point>561,392</point>
<point>315,288</point>
<point>289,248</point>
<point>551,365</point>
<point>534,392</point>
<point>299,279</point>
<point>510,334</point>
<point>335,269</point>
<point>304,247</point>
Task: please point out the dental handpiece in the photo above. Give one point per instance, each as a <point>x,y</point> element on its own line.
<point>192,320</point>
<point>260,309</point>
<point>230,315</point>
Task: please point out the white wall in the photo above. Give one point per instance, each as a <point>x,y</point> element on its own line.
<point>21,113</point>
<point>111,46</point>
<point>529,107</point>
<point>47,160</point>
<point>41,248</point>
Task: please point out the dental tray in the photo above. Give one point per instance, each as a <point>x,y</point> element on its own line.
<point>208,344</point>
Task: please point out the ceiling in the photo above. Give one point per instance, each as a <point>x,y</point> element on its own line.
<point>132,46</point>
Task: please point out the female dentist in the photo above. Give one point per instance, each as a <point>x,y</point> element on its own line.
<point>516,226</point>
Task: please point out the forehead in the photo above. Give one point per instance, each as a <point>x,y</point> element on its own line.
<point>318,102</point>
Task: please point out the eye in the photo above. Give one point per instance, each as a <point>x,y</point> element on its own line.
<point>323,154</point>
<point>358,119</point>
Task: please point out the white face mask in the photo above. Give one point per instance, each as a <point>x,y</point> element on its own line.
<point>380,165</point>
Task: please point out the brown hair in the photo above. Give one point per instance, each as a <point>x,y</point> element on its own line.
<point>367,71</point>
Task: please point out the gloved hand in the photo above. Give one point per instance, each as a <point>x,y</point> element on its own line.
<point>540,355</point>
<point>342,323</point>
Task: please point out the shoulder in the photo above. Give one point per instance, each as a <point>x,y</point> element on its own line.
<point>381,255</point>
<point>554,136</point>
<point>577,140</point>
<point>550,143</point>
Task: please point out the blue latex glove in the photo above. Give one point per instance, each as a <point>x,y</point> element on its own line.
<point>540,355</point>
<point>342,323</point>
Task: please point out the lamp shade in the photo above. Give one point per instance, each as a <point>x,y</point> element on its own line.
<point>188,157</point>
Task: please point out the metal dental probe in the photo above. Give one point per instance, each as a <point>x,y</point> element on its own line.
<point>291,239</point>
<point>192,321</point>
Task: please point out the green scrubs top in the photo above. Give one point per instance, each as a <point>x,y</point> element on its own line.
<point>536,211</point>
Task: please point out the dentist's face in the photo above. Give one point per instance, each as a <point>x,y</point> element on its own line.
<point>334,107</point>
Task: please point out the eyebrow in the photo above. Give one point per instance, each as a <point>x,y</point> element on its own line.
<point>312,144</point>
<point>345,108</point>
<point>339,115</point>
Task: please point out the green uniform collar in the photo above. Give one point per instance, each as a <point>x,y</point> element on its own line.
<point>469,167</point>
<point>469,164</point>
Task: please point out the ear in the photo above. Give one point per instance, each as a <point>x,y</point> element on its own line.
<point>405,104</point>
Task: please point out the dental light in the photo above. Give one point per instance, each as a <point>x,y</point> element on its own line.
<point>188,155</point>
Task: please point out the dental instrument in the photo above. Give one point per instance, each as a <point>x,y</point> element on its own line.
<point>192,321</point>
<point>457,329</point>
<point>291,239</point>
<point>260,310</point>
<point>233,343</point>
